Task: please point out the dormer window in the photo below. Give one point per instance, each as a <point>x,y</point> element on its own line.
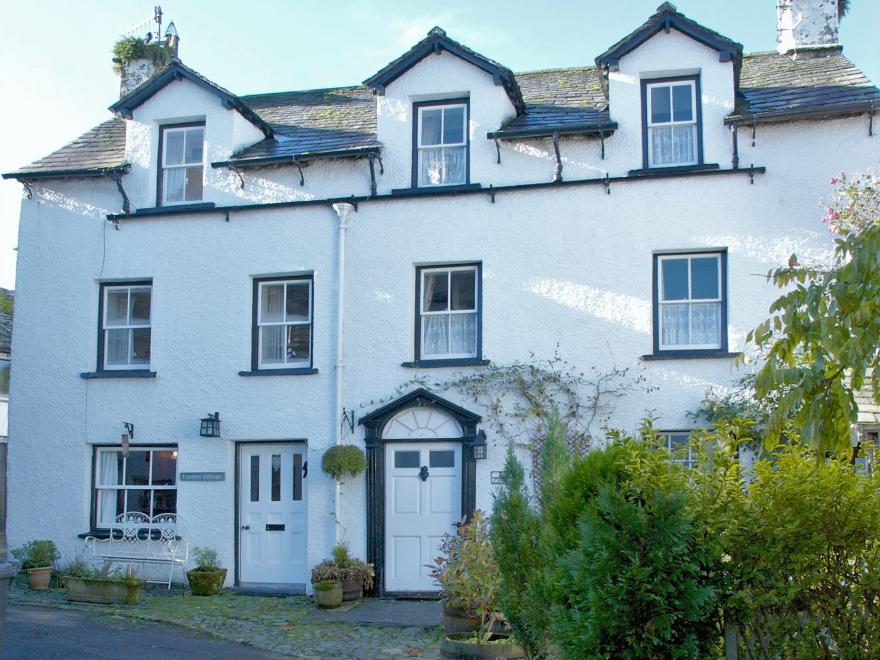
<point>181,163</point>
<point>672,132</point>
<point>440,138</point>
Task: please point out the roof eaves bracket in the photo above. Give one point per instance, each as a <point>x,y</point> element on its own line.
<point>238,173</point>
<point>28,190</point>
<point>498,151</point>
<point>557,172</point>
<point>754,128</point>
<point>298,165</point>
<point>602,142</point>
<point>871,120</point>
<point>735,140</point>
<point>126,204</point>
<point>371,157</point>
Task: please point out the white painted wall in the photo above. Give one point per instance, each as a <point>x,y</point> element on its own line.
<point>567,266</point>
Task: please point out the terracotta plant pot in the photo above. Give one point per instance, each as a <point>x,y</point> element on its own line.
<point>458,646</point>
<point>206,583</point>
<point>103,590</point>
<point>328,594</point>
<point>39,577</point>
<point>352,588</point>
<point>456,620</point>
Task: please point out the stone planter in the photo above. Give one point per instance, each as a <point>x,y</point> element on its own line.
<point>328,594</point>
<point>103,590</point>
<point>206,583</point>
<point>352,588</point>
<point>458,646</point>
<point>456,620</point>
<point>39,578</point>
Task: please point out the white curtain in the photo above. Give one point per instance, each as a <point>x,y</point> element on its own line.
<point>691,324</point>
<point>463,334</point>
<point>108,475</point>
<point>675,325</point>
<point>174,184</point>
<point>273,344</point>
<point>706,323</point>
<point>443,165</point>
<point>435,334</point>
<point>673,144</point>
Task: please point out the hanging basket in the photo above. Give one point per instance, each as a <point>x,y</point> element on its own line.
<point>344,461</point>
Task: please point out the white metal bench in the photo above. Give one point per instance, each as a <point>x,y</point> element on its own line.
<point>137,539</point>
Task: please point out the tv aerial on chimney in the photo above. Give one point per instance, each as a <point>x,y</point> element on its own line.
<point>150,29</point>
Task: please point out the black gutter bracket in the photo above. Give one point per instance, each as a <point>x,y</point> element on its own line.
<point>607,184</point>
<point>126,204</point>
<point>381,165</point>
<point>735,139</point>
<point>871,120</point>
<point>498,152</point>
<point>115,223</point>
<point>28,190</point>
<point>557,172</point>
<point>240,177</point>
<point>371,157</point>
<point>754,128</point>
<point>602,142</point>
<point>752,174</point>
<point>302,179</point>
<point>491,194</point>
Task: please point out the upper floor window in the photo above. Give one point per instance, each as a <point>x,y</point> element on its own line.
<point>448,319</point>
<point>690,312</point>
<point>283,323</point>
<point>672,122</point>
<point>181,163</point>
<point>125,326</point>
<point>868,459</point>
<point>441,143</point>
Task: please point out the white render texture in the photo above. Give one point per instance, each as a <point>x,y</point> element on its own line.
<point>565,266</point>
<point>805,24</point>
<point>134,73</point>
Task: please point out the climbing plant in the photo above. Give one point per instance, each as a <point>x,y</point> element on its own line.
<point>129,49</point>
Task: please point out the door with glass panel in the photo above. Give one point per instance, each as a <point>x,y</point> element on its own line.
<point>272,514</point>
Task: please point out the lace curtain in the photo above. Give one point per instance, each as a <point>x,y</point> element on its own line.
<point>108,475</point>
<point>672,145</point>
<point>691,324</point>
<point>442,166</point>
<point>449,334</point>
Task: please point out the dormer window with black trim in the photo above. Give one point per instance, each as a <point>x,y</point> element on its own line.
<point>672,122</point>
<point>440,143</point>
<point>181,163</point>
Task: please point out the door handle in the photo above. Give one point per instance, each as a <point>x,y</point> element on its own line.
<point>423,473</point>
<point>245,526</point>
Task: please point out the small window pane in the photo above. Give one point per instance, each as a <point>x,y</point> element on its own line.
<point>298,343</point>
<point>463,334</point>
<point>675,325</point>
<point>660,105</point>
<point>682,103</point>
<point>453,126</point>
<point>109,505</point>
<point>431,126</point>
<point>272,303</point>
<point>109,468</point>
<point>138,500</point>
<point>677,441</point>
<point>276,477</point>
<point>4,377</point>
<point>164,468</point>
<point>298,302</point>
<point>137,468</point>
<point>436,294</point>
<point>442,459</point>
<point>255,478</point>
<point>464,295</point>
<point>675,279</point>
<point>173,147</point>
<point>272,344</point>
<point>297,477</point>
<point>194,184</point>
<point>117,347</point>
<point>173,185</point>
<point>140,306</point>
<point>435,335</point>
<point>706,323</point>
<point>704,278</point>
<point>164,501</point>
<point>406,459</point>
<point>117,307</point>
<point>140,346</point>
<point>195,139</point>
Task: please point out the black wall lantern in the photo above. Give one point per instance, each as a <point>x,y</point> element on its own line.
<point>480,445</point>
<point>210,426</point>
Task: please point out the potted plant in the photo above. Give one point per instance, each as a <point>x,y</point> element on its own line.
<point>38,559</point>
<point>342,461</point>
<point>468,577</point>
<point>207,578</point>
<point>356,576</point>
<point>85,584</point>
<point>328,594</point>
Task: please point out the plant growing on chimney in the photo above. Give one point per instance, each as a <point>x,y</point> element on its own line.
<point>129,49</point>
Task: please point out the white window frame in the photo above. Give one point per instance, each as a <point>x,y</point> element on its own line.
<point>293,364</point>
<point>688,461</point>
<point>689,301</point>
<point>123,486</point>
<point>164,168</point>
<point>448,312</point>
<point>868,460</point>
<point>5,364</point>
<point>421,149</point>
<point>649,90</point>
<point>105,329</point>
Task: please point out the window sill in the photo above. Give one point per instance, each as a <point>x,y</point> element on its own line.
<point>103,534</point>
<point>436,364</point>
<point>656,171</point>
<point>689,355</point>
<point>434,190</point>
<point>157,210</point>
<point>304,371</point>
<point>121,373</point>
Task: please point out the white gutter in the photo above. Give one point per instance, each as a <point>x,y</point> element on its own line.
<point>343,210</point>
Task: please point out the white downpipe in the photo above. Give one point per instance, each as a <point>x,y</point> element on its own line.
<point>343,210</point>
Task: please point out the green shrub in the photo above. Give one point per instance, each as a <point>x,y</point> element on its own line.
<point>341,461</point>
<point>37,554</point>
<point>206,559</point>
<point>129,49</point>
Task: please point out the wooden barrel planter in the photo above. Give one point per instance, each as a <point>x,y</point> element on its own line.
<point>456,620</point>
<point>463,646</point>
<point>352,588</point>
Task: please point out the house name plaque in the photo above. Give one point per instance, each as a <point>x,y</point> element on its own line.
<point>203,476</point>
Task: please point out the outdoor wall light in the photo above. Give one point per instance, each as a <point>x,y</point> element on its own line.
<point>210,426</point>
<point>480,445</point>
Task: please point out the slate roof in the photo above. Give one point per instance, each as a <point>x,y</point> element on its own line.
<point>869,411</point>
<point>774,86</point>
<point>6,327</point>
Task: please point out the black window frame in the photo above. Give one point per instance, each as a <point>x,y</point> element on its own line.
<point>100,367</point>
<point>419,361</point>
<point>418,105</point>
<point>722,351</point>
<point>160,158</point>
<point>698,102</point>
<point>255,328</point>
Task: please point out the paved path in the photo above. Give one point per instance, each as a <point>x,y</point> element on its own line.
<point>379,612</point>
<point>47,634</point>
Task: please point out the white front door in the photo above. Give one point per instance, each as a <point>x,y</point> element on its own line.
<point>272,514</point>
<point>422,503</point>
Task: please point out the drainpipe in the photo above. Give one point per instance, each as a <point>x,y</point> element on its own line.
<point>343,210</point>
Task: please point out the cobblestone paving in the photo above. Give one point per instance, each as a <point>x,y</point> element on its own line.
<point>281,625</point>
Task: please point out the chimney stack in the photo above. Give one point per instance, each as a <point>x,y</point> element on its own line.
<point>806,25</point>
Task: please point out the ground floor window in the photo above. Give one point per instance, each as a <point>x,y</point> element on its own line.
<point>145,481</point>
<point>869,453</point>
<point>677,442</point>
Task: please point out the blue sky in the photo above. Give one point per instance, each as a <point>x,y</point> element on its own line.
<point>56,78</point>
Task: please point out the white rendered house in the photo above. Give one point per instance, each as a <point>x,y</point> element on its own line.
<point>286,258</point>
